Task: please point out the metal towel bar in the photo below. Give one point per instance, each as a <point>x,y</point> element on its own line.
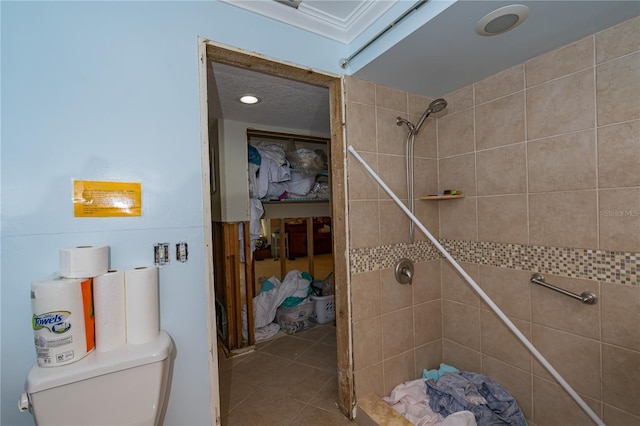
<point>585,297</point>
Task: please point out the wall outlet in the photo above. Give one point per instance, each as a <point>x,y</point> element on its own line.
<point>160,254</point>
<point>182,252</point>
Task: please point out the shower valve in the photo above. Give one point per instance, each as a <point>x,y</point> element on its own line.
<point>404,271</point>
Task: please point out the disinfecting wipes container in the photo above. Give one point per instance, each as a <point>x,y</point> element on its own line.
<point>62,322</point>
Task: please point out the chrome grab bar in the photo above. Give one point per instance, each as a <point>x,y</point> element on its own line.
<point>585,297</point>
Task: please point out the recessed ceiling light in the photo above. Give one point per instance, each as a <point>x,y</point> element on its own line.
<point>249,99</point>
<point>502,20</point>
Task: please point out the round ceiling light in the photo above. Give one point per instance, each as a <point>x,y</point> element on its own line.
<point>502,20</point>
<point>249,99</point>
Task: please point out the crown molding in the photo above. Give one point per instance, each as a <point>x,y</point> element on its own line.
<point>309,17</point>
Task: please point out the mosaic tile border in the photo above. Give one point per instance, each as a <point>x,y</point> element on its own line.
<point>601,265</point>
<point>384,257</point>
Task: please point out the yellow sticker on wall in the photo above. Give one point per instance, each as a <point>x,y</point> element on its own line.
<point>106,199</point>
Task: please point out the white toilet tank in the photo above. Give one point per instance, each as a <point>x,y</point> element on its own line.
<point>125,386</point>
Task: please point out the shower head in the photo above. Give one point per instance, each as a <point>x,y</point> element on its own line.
<point>435,106</point>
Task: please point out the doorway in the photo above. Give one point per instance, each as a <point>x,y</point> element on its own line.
<point>210,52</point>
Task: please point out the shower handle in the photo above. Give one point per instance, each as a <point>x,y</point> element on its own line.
<point>404,271</point>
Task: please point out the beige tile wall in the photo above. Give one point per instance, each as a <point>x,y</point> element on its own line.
<point>548,154</point>
<point>397,328</point>
<point>556,162</point>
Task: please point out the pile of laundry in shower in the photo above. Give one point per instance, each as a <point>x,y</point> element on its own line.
<point>449,397</point>
<point>285,305</point>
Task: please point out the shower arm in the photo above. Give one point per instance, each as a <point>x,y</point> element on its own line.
<point>416,128</point>
<point>436,106</point>
<point>534,351</point>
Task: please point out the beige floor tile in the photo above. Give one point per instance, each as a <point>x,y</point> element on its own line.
<point>320,356</point>
<point>258,367</point>
<point>264,409</point>
<point>267,387</point>
<point>319,417</point>
<point>297,381</point>
<point>288,347</point>
<point>327,398</point>
<point>316,333</point>
<point>233,390</point>
<point>330,338</point>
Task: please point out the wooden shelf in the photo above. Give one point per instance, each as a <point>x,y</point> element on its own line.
<point>441,197</point>
<point>298,208</point>
<point>294,200</point>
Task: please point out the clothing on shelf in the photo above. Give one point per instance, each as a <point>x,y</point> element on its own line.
<point>276,174</point>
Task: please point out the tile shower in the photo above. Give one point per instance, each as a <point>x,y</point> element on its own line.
<point>547,154</point>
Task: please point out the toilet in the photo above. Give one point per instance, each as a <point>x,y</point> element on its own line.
<point>125,386</point>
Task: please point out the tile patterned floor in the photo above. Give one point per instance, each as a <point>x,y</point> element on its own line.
<point>289,380</point>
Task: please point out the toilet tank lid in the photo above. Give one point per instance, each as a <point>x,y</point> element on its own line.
<point>100,363</point>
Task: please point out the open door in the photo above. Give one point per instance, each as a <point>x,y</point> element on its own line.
<point>210,52</point>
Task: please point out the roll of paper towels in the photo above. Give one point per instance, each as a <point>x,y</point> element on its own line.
<point>142,304</point>
<point>62,322</point>
<point>110,310</point>
<point>84,261</point>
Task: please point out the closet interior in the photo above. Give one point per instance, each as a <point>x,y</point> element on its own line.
<point>286,244</point>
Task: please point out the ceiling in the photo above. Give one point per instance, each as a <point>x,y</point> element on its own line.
<point>442,55</point>
<point>446,53</point>
<point>284,103</point>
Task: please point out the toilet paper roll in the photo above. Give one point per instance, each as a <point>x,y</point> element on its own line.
<point>142,304</point>
<point>84,261</point>
<point>110,310</point>
<point>62,322</point>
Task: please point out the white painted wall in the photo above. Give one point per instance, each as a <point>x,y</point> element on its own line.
<point>109,91</point>
<point>234,173</point>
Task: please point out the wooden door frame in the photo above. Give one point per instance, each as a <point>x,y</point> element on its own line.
<point>216,52</point>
